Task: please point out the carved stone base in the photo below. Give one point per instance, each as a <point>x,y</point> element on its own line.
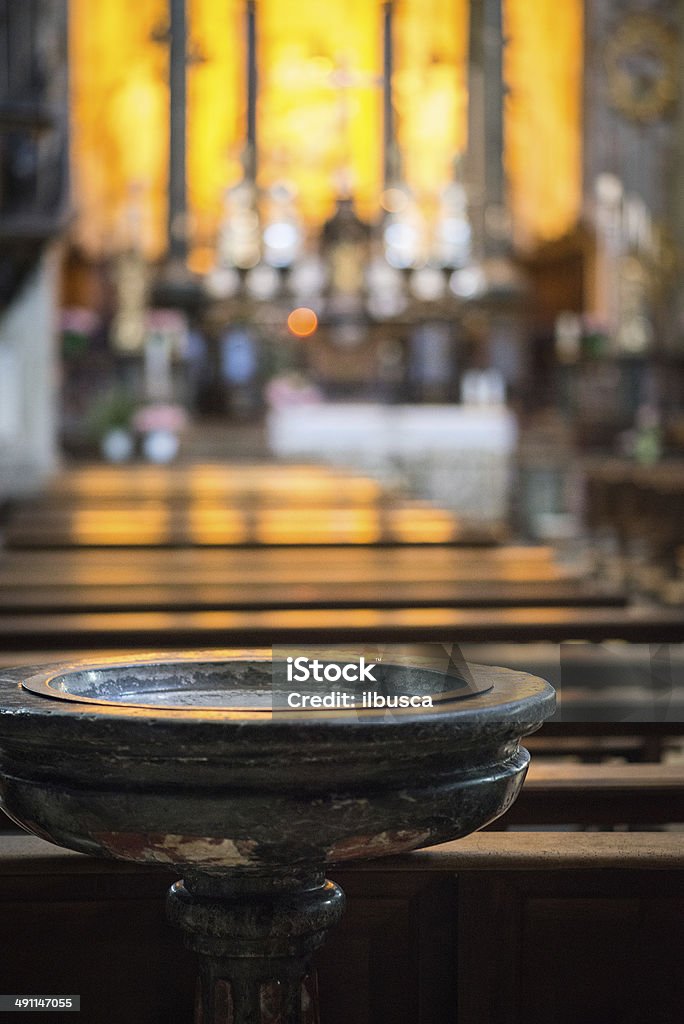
<point>255,938</point>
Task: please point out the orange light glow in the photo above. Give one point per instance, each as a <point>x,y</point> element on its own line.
<point>302,322</point>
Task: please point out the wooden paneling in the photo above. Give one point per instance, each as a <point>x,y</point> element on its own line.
<point>580,946</point>
<point>521,928</point>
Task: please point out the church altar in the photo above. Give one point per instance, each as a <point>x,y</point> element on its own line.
<point>459,456</point>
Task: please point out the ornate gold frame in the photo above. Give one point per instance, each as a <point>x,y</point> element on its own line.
<point>642,33</point>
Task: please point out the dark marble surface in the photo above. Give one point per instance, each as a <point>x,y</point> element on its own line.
<point>253,805</point>
<point>253,792</point>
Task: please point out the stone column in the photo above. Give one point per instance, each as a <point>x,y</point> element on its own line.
<point>252,91</point>
<point>255,938</point>
<point>177,212</point>
<point>485,169</point>
<point>390,155</point>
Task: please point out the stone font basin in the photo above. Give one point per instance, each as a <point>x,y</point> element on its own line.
<point>197,761</point>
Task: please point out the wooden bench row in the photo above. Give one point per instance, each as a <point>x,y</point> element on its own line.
<point>262,596</point>
<point>263,627</point>
<point>408,563</point>
<point>187,596</point>
<point>164,527</point>
<point>269,505</point>
<point>599,795</point>
<point>185,580</point>
<point>498,928</point>
<point>96,482</point>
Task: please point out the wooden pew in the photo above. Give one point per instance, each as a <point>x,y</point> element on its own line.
<point>510,574</point>
<point>260,595</point>
<point>190,597</point>
<point>408,563</point>
<point>498,928</point>
<point>84,598</point>
<point>163,526</point>
<point>593,742</point>
<point>196,579</point>
<point>96,482</point>
<point>231,506</point>
<point>599,795</point>
<point>263,627</point>
<point>616,681</point>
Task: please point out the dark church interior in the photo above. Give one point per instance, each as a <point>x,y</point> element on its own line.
<point>341,511</point>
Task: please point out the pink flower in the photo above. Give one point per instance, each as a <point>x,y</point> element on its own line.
<point>160,417</point>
